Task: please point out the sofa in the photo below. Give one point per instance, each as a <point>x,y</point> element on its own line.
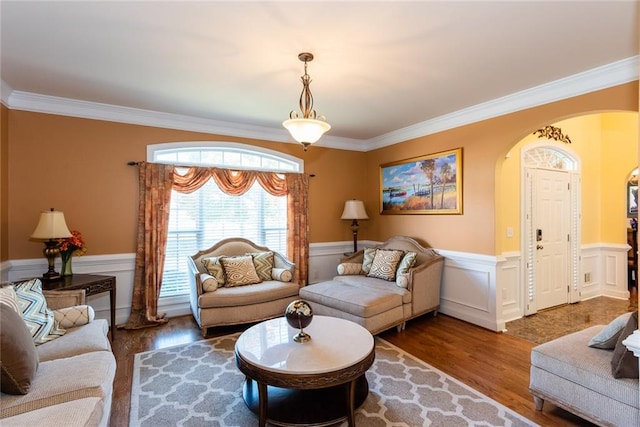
<point>66,380</point>
<point>236,281</point>
<point>590,373</point>
<point>381,287</point>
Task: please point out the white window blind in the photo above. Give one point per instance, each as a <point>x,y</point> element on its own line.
<point>200,219</point>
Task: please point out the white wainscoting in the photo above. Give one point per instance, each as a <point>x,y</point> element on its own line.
<point>480,289</point>
<point>511,286</point>
<point>603,271</point>
<point>468,292</point>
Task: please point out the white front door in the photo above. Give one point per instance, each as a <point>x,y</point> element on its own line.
<point>551,225</point>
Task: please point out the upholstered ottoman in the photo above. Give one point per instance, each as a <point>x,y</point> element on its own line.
<point>373,308</point>
<point>578,378</point>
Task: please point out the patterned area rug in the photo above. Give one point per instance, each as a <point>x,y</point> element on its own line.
<point>198,384</point>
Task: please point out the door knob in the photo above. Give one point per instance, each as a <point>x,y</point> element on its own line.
<point>538,247</point>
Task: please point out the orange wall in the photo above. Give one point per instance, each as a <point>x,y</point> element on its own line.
<point>79,166</point>
<point>484,145</point>
<point>4,182</point>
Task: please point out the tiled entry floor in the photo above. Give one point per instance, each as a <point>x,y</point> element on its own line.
<point>555,322</point>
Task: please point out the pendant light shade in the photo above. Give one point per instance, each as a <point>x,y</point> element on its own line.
<point>311,126</point>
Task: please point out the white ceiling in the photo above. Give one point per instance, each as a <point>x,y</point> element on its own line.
<point>383,70</point>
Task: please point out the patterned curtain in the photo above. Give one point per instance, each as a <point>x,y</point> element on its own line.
<point>156,183</point>
<point>298,225</point>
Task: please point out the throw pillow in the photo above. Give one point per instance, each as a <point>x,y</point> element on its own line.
<point>239,270</point>
<point>18,355</point>
<point>209,283</point>
<point>408,261</point>
<point>369,254</point>
<point>349,269</point>
<point>38,317</point>
<point>263,262</point>
<point>281,274</point>
<point>608,337</point>
<point>213,266</point>
<point>385,263</point>
<point>8,296</point>
<point>623,363</point>
<point>402,280</point>
<point>76,315</point>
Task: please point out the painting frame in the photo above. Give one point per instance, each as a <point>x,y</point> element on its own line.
<point>632,200</point>
<point>407,189</point>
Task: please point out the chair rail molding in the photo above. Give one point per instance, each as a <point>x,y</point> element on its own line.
<point>481,289</point>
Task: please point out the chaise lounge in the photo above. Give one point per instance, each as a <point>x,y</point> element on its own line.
<point>381,287</point>
<point>588,373</point>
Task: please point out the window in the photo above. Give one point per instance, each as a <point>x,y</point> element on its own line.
<point>199,219</point>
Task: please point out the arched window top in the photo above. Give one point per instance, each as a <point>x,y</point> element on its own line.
<point>550,158</point>
<point>223,154</point>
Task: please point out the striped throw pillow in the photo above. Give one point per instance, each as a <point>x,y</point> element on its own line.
<point>263,262</point>
<point>35,313</point>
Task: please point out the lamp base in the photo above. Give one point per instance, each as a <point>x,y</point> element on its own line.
<point>51,251</point>
<point>48,276</point>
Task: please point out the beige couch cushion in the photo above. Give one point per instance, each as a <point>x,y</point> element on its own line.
<point>93,375</point>
<point>81,412</point>
<point>269,290</point>
<point>357,300</point>
<point>83,339</point>
<point>377,284</point>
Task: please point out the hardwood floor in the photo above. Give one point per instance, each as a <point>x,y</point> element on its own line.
<point>495,364</point>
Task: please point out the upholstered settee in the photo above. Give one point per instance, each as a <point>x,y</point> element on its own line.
<point>589,373</point>
<point>63,381</point>
<point>236,281</point>
<point>381,287</point>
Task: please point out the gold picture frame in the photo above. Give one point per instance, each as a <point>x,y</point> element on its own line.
<point>424,185</point>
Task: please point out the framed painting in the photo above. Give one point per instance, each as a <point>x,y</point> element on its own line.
<point>429,184</point>
<point>632,200</point>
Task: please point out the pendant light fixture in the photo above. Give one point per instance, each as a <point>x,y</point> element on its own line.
<point>311,126</point>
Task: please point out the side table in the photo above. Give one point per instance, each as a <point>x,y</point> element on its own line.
<point>92,284</point>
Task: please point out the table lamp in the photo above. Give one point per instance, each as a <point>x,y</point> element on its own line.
<point>51,227</point>
<point>354,210</point>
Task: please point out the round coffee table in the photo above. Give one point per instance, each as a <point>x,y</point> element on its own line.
<point>318,382</point>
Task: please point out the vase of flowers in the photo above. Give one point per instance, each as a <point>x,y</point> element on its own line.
<point>69,247</point>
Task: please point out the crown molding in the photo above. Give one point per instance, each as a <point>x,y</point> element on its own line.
<point>5,92</point>
<point>603,77</point>
<point>614,74</point>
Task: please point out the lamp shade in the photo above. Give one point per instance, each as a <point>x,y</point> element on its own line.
<point>306,130</point>
<point>354,209</point>
<point>51,226</point>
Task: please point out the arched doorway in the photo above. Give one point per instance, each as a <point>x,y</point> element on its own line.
<point>550,241</point>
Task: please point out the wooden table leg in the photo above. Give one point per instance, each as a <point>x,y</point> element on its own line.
<point>351,397</point>
<point>262,401</point>
<point>112,300</point>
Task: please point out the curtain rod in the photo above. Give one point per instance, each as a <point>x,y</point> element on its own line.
<point>134,163</point>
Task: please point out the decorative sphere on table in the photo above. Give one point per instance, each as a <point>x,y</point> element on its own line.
<point>299,315</point>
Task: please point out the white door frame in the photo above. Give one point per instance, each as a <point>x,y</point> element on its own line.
<point>548,154</point>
